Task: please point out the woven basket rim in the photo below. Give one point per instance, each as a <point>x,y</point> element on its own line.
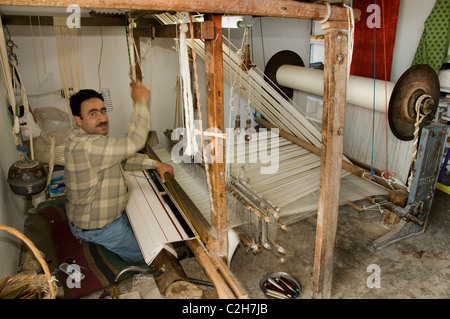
<point>50,291</point>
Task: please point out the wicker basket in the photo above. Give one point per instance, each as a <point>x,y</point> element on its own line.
<point>25,285</point>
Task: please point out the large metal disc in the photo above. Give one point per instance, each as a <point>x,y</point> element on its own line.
<point>275,62</point>
<point>417,81</point>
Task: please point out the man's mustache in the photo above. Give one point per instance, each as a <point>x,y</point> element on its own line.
<point>102,124</point>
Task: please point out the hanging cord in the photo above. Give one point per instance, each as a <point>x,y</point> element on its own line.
<point>27,111</point>
<point>183,55</point>
<point>8,82</point>
<point>22,148</point>
<point>68,60</point>
<point>248,134</point>
<point>179,87</point>
<point>134,57</point>
<point>137,57</point>
<point>233,85</point>
<point>351,38</point>
<point>386,174</point>
<point>372,172</point>
<point>232,108</point>
<point>262,40</point>
<point>176,120</point>
<point>130,46</point>
<point>51,164</point>
<point>11,57</point>
<point>34,50</point>
<point>385,88</point>
<point>100,60</point>
<point>42,46</point>
<point>419,118</point>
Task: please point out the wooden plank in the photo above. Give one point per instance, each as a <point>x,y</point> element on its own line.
<point>272,8</point>
<point>334,101</point>
<point>202,30</point>
<point>109,21</point>
<point>215,120</point>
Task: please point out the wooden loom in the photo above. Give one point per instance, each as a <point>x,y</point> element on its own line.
<point>244,184</point>
<point>335,26</point>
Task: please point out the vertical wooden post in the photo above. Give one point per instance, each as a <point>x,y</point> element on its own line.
<point>215,120</point>
<point>334,101</point>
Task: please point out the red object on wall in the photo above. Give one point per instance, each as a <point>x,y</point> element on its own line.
<point>378,21</point>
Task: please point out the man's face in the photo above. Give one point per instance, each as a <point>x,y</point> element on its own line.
<point>93,117</point>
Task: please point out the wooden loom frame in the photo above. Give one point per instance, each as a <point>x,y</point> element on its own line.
<point>335,25</point>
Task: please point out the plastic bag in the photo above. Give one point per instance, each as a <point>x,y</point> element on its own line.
<point>55,125</point>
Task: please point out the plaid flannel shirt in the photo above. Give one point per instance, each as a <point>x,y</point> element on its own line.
<point>95,185</point>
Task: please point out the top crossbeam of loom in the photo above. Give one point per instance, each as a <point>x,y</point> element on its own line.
<point>272,8</point>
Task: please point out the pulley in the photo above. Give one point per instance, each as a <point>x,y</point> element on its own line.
<point>418,85</point>
<point>274,63</point>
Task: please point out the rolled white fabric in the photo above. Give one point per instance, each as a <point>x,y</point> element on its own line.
<point>360,89</point>
<point>444,80</point>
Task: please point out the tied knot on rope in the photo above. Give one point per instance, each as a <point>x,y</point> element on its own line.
<point>388,175</point>
<point>372,175</point>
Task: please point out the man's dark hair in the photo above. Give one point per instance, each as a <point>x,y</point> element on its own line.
<point>80,97</point>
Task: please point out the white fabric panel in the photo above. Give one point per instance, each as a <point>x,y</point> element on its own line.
<point>153,221</point>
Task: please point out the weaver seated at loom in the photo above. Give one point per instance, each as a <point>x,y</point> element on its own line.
<point>96,189</point>
<point>99,188</point>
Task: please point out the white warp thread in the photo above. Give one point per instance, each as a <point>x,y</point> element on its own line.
<point>192,146</point>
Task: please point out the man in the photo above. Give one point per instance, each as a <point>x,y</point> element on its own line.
<point>94,162</point>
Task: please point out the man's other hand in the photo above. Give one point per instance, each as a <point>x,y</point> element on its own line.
<point>162,168</point>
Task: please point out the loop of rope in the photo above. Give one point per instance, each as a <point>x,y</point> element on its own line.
<point>328,12</point>
<point>419,119</point>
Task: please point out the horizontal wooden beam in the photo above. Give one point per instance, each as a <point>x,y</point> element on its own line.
<point>268,8</point>
<point>202,30</point>
<point>119,20</point>
<point>146,27</point>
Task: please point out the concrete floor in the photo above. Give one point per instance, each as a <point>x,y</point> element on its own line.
<point>415,268</point>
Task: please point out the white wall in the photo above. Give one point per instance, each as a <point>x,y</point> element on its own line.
<point>99,68</point>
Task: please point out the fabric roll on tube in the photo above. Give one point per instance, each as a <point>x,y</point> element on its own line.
<point>360,89</point>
